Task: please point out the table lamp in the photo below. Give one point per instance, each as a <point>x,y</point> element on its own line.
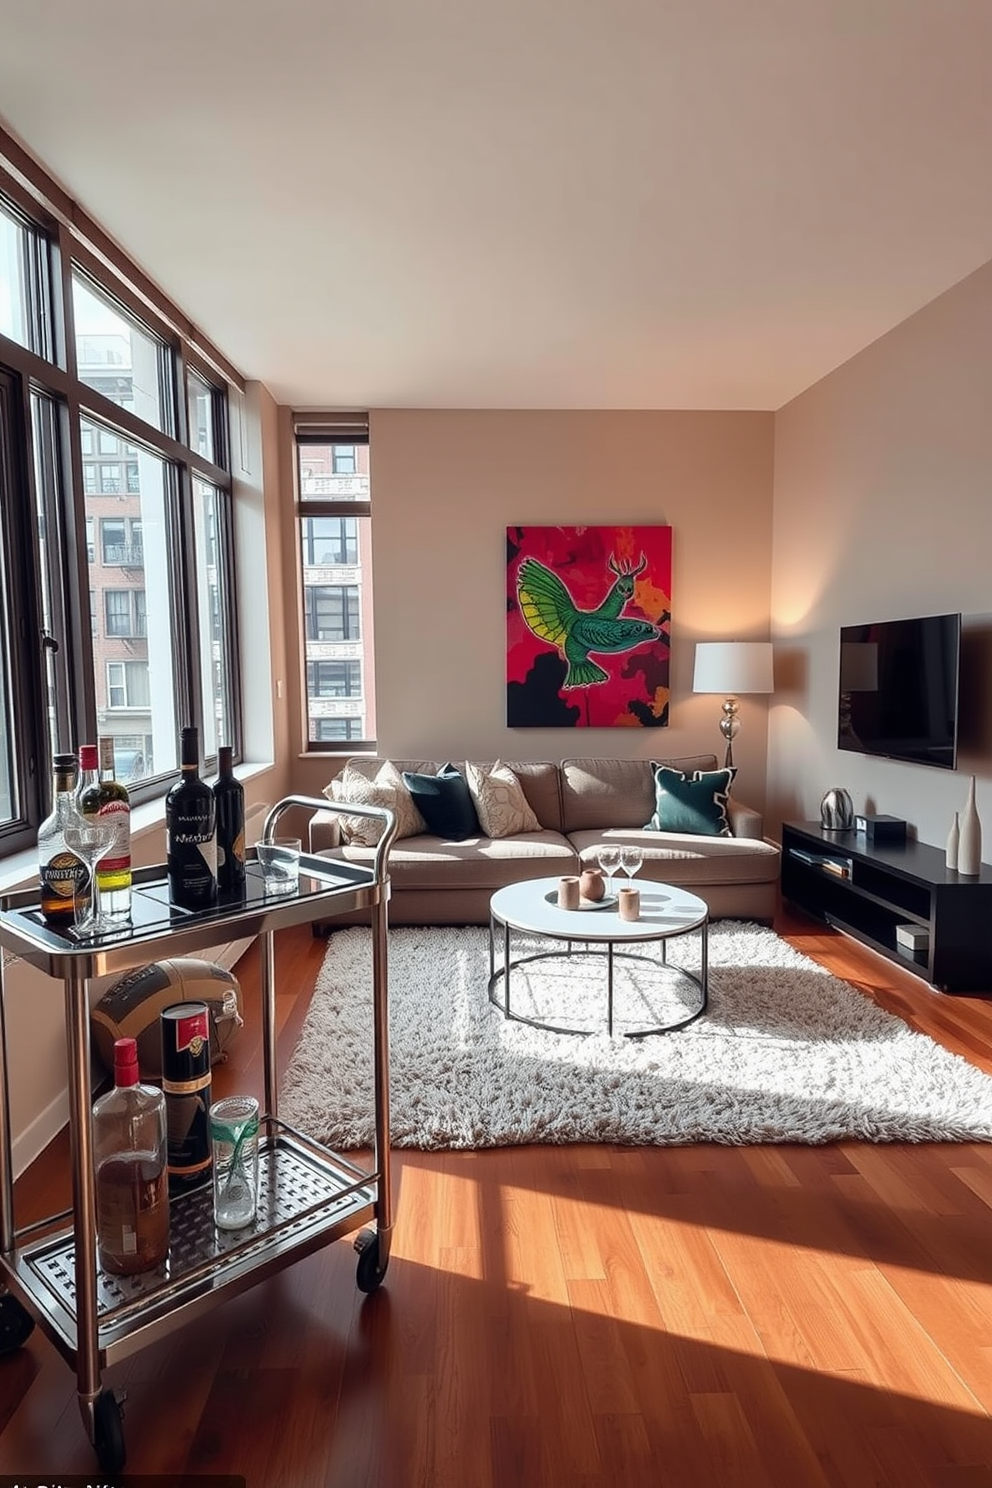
<point>733,667</point>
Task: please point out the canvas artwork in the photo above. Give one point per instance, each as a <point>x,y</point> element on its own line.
<point>588,617</point>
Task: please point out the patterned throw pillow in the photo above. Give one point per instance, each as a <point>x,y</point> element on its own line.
<point>695,803</point>
<point>444,802</point>
<point>500,801</point>
<point>351,787</point>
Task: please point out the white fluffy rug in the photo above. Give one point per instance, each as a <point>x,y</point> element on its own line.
<point>785,1053</point>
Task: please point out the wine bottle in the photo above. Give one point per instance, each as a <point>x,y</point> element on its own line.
<point>63,876</point>
<point>191,832</point>
<point>100,794</point>
<point>186,1084</point>
<point>229,796</point>
<point>129,1157</point>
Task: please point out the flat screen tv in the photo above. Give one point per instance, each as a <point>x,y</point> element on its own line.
<point>898,692</point>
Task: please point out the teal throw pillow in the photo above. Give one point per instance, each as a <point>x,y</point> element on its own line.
<point>445,803</point>
<point>695,803</point>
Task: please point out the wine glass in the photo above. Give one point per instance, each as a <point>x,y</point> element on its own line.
<point>90,838</point>
<point>631,859</point>
<point>608,857</point>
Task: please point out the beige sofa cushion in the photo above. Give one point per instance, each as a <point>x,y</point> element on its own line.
<point>503,809</point>
<point>600,793</point>
<point>429,864</point>
<point>355,787</point>
<point>686,860</point>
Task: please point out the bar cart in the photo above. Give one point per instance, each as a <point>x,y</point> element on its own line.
<point>309,1196</point>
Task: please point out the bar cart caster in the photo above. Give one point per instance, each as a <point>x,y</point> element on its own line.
<point>107,1430</point>
<point>16,1324</point>
<point>373,1259</point>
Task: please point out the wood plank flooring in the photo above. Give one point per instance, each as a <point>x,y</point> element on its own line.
<point>757,1317</point>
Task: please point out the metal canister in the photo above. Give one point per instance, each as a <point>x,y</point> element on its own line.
<point>836,811</point>
<point>187,1089</point>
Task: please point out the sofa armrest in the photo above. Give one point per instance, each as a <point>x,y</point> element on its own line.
<point>744,820</point>
<point>325,831</point>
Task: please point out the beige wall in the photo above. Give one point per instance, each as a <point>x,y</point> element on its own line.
<point>883,509</point>
<point>445,486</point>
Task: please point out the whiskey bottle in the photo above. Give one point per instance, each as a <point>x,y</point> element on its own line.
<point>100,794</point>
<point>191,832</point>
<point>131,1179</point>
<point>63,876</point>
<point>229,796</point>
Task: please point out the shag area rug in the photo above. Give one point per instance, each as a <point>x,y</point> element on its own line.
<point>786,1052</point>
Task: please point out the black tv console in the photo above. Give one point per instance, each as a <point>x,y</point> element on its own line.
<point>868,888</point>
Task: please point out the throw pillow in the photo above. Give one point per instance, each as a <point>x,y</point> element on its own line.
<point>444,802</point>
<point>351,787</point>
<point>500,801</point>
<point>695,803</point>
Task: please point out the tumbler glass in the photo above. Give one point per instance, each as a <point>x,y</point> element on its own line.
<point>234,1139</point>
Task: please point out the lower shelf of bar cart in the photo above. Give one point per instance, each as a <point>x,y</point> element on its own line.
<point>308,1197</point>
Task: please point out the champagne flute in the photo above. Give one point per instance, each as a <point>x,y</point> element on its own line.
<point>631,860</point>
<point>90,838</point>
<point>608,857</point>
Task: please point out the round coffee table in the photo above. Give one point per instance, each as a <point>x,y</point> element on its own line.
<point>531,908</point>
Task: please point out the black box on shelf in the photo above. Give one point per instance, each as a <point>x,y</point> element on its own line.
<point>881,828</point>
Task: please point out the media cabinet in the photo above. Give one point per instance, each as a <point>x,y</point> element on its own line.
<point>867,889</point>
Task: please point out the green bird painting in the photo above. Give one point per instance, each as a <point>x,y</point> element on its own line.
<point>551,613</point>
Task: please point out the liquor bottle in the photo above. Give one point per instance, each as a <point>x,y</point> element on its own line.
<point>129,1158</point>
<point>64,877</point>
<point>190,832</point>
<point>99,794</point>
<point>186,1085</point>
<point>229,796</point>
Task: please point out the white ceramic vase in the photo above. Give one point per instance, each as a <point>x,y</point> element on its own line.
<point>953,844</point>
<point>970,837</point>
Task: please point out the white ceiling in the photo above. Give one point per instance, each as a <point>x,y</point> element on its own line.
<point>523,203</point>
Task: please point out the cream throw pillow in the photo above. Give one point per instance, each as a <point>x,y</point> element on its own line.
<point>499,798</point>
<point>386,789</point>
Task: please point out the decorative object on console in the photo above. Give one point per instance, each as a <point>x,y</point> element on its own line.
<point>733,667</point>
<point>837,811</point>
<point>387,789</point>
<point>580,601</point>
<point>881,828</point>
<point>970,839</point>
<point>953,843</point>
<point>499,800</point>
<point>695,804</point>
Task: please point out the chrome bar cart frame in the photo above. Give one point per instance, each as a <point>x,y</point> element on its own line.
<point>309,1196</point>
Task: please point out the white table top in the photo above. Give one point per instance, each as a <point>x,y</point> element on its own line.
<point>665,910</point>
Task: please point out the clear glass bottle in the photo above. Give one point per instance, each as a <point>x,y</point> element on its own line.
<point>62,875</point>
<point>191,832</point>
<point>130,1163</point>
<point>100,794</point>
<point>230,798</point>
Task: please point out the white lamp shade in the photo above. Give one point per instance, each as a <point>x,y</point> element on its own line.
<point>733,667</point>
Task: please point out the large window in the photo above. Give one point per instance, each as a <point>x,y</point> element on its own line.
<point>334,510</point>
<point>116,550</point>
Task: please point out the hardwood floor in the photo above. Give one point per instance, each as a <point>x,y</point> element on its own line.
<point>756,1317</point>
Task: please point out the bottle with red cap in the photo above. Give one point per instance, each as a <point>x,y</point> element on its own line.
<point>130,1161</point>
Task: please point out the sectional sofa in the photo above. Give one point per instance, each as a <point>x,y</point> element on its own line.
<point>579,804</point>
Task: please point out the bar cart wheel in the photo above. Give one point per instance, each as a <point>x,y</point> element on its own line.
<point>371,1272</point>
<point>108,1433</point>
<point>16,1324</point>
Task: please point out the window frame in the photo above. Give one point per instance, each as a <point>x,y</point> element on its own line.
<point>321,430</point>
<point>62,242</point>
